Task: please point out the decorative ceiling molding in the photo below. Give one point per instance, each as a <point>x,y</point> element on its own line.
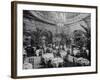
<point>41,17</point>
<point>44,18</point>
<point>77,18</point>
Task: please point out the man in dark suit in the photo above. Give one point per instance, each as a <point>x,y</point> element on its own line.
<point>30,51</point>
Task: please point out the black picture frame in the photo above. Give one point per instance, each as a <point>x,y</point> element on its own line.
<point>14,38</point>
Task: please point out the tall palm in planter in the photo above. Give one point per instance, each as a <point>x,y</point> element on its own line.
<point>88,36</point>
<point>36,36</point>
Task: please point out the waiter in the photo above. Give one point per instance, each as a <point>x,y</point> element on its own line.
<point>30,51</point>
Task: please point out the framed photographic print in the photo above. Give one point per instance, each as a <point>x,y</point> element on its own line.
<point>50,39</point>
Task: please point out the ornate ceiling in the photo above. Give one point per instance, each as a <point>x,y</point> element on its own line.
<point>54,17</point>
<point>57,22</point>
